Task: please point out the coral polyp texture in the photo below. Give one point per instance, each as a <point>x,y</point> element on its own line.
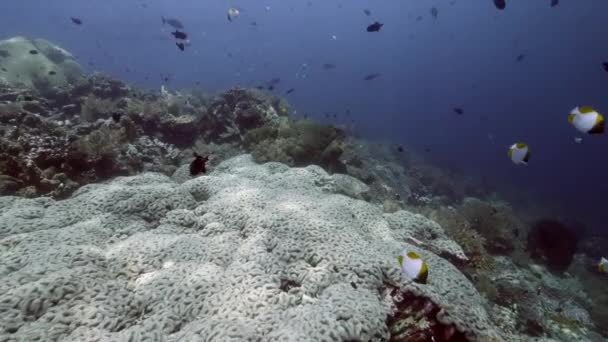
<point>247,252</point>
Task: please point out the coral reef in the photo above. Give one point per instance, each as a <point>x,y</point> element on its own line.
<point>553,243</point>
<point>249,252</point>
<point>298,143</point>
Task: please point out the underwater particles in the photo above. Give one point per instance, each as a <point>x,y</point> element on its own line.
<point>587,120</point>
<point>233,13</point>
<point>519,153</point>
<point>500,4</point>
<point>76,21</point>
<point>413,266</point>
<point>176,24</point>
<point>375,27</point>
<point>198,165</point>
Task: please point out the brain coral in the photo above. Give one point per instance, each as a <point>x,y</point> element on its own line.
<point>247,253</point>
<point>37,63</point>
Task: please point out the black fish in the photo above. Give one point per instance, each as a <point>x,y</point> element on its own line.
<point>554,3</point>
<point>260,87</point>
<point>253,23</point>
<point>605,65</point>
<point>371,77</point>
<point>270,87</point>
<point>400,149</point>
<point>459,111</point>
<point>198,165</point>
<point>4,54</point>
<point>4,69</point>
<point>52,73</point>
<point>176,24</point>
<point>33,52</point>
<point>329,66</point>
<point>500,4</point>
<point>180,35</point>
<point>520,57</point>
<point>375,27</point>
<point>289,91</point>
<point>418,18</point>
<point>76,21</point>
<point>181,46</point>
<point>367,12</point>
<point>116,117</point>
<point>434,12</point>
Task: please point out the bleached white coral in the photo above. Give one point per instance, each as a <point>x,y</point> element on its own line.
<point>268,253</point>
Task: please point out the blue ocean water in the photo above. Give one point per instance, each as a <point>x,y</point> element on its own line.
<point>466,58</point>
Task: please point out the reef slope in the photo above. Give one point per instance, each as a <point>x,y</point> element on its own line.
<point>248,252</point>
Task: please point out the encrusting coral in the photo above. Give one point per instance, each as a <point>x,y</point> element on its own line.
<point>248,252</point>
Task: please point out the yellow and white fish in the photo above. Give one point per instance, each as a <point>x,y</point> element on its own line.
<point>233,13</point>
<point>519,153</point>
<point>587,120</point>
<point>413,266</point>
<point>602,266</point>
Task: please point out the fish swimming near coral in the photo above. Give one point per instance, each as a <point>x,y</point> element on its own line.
<point>587,120</point>
<point>176,24</point>
<point>500,4</point>
<point>233,13</point>
<point>519,153</point>
<point>413,266</point>
<point>179,35</point>
<point>116,117</point>
<point>602,266</point>
<point>76,21</point>
<point>375,27</point>
<point>371,76</point>
<point>198,165</point>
